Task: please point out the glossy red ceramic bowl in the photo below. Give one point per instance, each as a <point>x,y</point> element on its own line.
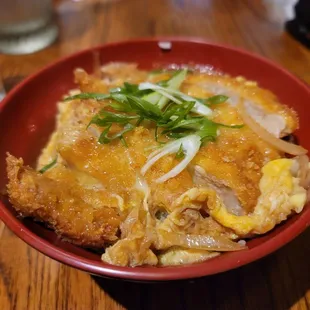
<point>27,117</point>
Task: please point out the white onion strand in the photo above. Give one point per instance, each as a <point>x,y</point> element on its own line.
<point>277,143</point>
<point>190,146</point>
<point>198,108</point>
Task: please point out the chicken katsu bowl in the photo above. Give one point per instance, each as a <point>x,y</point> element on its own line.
<point>156,159</point>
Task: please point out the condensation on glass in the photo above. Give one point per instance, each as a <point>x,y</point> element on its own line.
<point>26,26</point>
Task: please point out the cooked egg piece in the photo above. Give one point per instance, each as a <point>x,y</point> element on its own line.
<point>281,195</point>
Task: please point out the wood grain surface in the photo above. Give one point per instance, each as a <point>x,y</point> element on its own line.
<point>29,280</point>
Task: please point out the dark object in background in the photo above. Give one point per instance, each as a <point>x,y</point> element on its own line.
<point>299,27</point>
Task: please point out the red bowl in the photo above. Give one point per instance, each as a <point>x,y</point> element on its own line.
<point>27,117</point>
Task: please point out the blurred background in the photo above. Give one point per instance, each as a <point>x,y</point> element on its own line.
<point>73,25</point>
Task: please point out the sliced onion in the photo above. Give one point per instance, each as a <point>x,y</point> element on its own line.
<point>198,108</point>
<point>279,144</point>
<point>190,145</point>
<point>131,219</point>
<point>303,161</point>
<point>165,94</point>
<point>200,242</point>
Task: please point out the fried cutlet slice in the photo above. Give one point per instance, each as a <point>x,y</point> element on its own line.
<point>63,204</point>
<point>234,161</point>
<point>261,104</point>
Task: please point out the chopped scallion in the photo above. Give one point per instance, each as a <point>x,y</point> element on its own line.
<point>48,166</point>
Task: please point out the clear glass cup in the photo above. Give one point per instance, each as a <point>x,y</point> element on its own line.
<point>26,26</point>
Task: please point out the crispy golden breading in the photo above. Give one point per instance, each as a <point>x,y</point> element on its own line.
<point>236,157</point>
<point>116,166</point>
<point>97,196</point>
<point>63,205</point>
<point>262,100</point>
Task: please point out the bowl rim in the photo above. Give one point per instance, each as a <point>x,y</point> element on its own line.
<point>223,263</point>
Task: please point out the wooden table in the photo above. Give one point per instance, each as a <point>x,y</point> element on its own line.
<point>29,280</point>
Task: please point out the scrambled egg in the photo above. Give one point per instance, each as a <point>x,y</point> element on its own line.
<point>280,195</point>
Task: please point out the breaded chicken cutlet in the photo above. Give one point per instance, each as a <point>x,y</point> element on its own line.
<point>157,189</point>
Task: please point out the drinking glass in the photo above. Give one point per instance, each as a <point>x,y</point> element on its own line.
<point>26,26</point>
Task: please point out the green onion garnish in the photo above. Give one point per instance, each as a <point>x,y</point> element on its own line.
<point>180,153</point>
<point>95,96</point>
<point>48,166</point>
<point>172,112</point>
